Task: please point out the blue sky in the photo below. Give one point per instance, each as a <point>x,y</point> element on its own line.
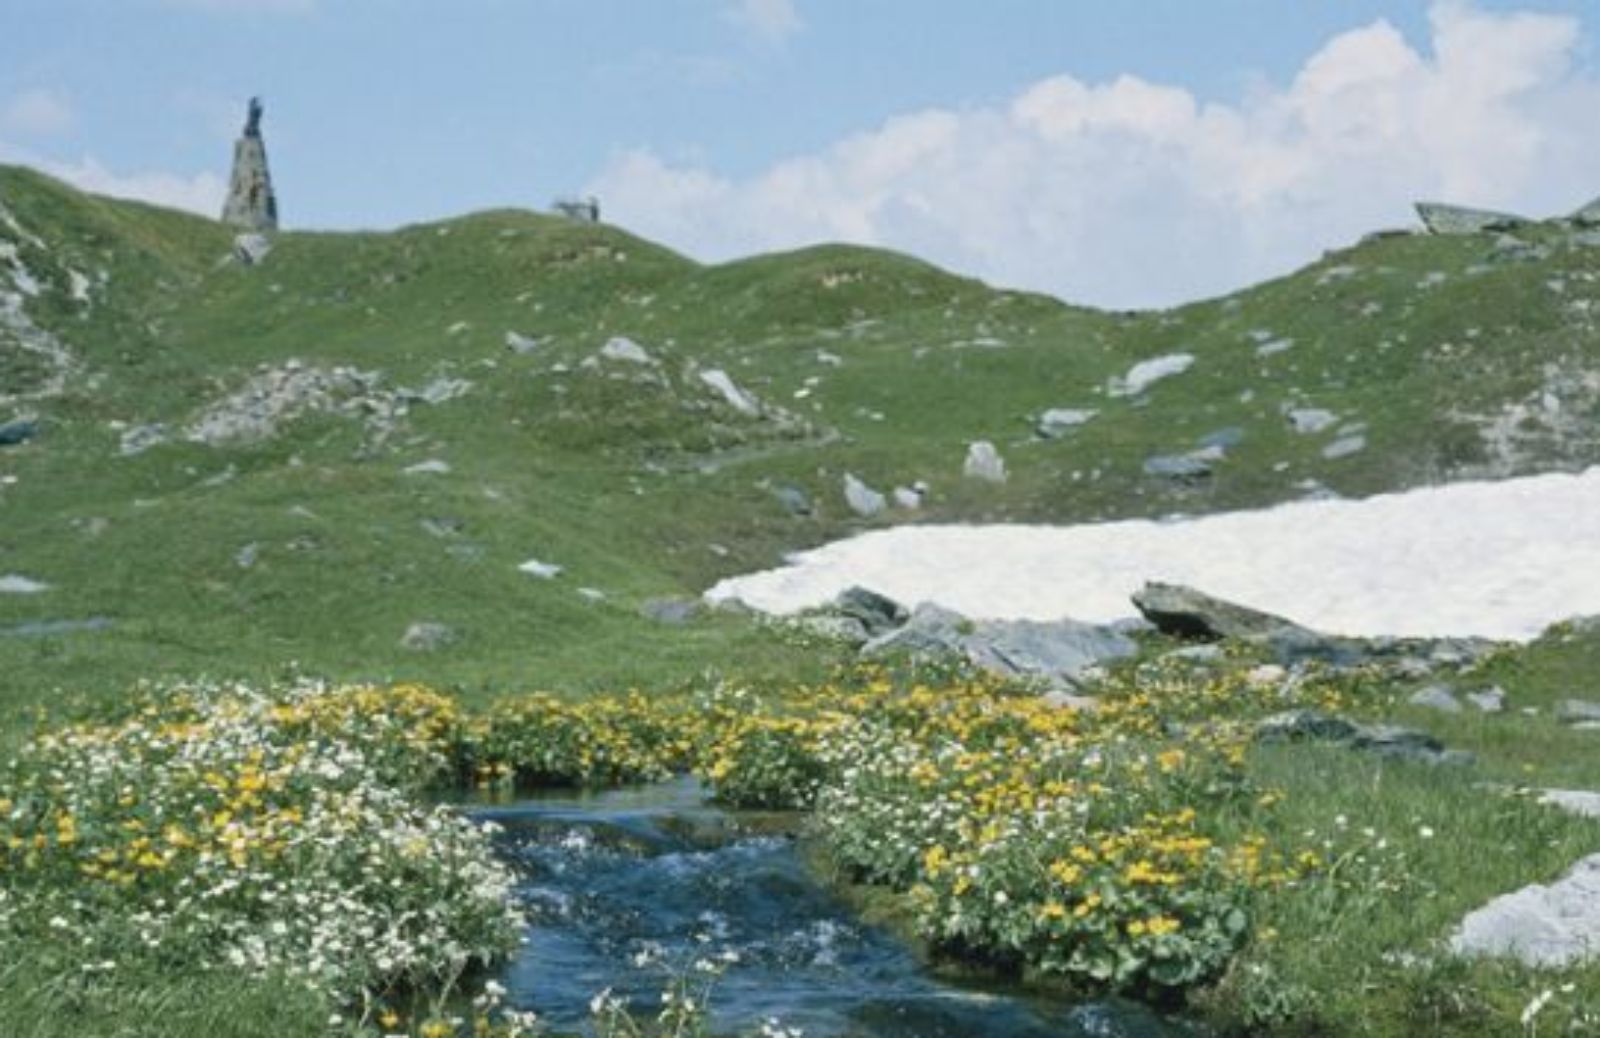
<point>1120,154</point>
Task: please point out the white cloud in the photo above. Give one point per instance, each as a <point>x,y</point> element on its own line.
<point>200,193</point>
<point>37,113</point>
<point>772,20</point>
<point>1128,192</point>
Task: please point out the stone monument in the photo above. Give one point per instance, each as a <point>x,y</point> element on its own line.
<point>251,204</point>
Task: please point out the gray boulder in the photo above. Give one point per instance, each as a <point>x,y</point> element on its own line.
<point>19,432</point>
<point>1186,613</point>
<point>426,636</point>
<point>833,628</point>
<point>1181,468</point>
<point>1054,651</point>
<point>1059,421</point>
<point>1436,697</point>
<point>877,614</point>
<point>1456,219</point>
<point>862,499</point>
<point>1383,740</point>
<point>1577,711</point>
<point>1489,700</point>
<point>1543,926</point>
<point>984,462</point>
<point>793,499</point>
<point>674,612</point>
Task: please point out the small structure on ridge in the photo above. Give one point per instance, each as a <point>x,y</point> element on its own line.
<point>251,205</point>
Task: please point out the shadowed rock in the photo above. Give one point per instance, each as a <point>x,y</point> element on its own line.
<point>1548,926</point>
<point>1055,651</point>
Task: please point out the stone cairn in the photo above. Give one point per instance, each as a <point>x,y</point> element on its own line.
<point>251,205</point>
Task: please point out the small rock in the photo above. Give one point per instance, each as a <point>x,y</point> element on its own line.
<point>876,613</point>
<point>141,438</point>
<point>246,557</point>
<point>625,349</point>
<point>1577,711</point>
<point>1059,421</point>
<point>1181,468</point>
<point>674,612</point>
<point>862,499</point>
<point>1196,654</point>
<point>426,636</point>
<point>542,570</point>
<point>443,527</point>
<point>251,249</point>
<point>846,629</point>
<point>794,500</point>
<point>1436,697</point>
<point>1578,801</point>
<point>1305,420</point>
<point>1488,700</point>
<point>1222,439</point>
<point>910,497</point>
<point>433,466</point>
<point>984,462</point>
<point>736,398</point>
<point>16,584</point>
<point>19,432</point>
<point>517,343</point>
<point>1344,446</point>
<point>592,594</point>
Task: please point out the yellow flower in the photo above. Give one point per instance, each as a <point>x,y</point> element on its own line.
<point>1053,910</point>
<point>389,1019</point>
<point>1161,924</point>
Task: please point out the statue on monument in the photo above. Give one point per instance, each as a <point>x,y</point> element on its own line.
<point>252,123</point>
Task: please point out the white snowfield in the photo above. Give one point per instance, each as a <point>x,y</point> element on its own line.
<point>1497,559</point>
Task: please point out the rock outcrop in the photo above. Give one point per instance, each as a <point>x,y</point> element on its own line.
<point>1439,218</point>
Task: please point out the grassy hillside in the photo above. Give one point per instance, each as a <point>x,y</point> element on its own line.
<point>128,331</point>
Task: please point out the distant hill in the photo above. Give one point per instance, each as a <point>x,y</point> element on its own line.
<point>228,465</point>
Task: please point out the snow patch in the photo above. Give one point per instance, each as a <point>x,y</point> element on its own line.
<point>1494,559</point>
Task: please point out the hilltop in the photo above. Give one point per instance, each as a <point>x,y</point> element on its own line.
<point>227,462</point>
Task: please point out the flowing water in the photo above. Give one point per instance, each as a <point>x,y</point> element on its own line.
<point>622,888</point>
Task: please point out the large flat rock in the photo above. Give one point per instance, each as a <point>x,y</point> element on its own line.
<point>1550,926</point>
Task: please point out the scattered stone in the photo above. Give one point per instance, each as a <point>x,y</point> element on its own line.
<point>1181,468</point>
<point>1305,420</point>
<point>625,349</point>
<point>794,500</point>
<point>1508,248</point>
<point>439,391</point>
<point>876,613</point>
<point>16,584</point>
<point>737,398</point>
<point>277,395</point>
<point>1488,700</point>
<point>1143,374</point>
<point>862,499</point>
<point>1436,697</point>
<point>984,462</point>
<point>246,557</point>
<point>1454,219</point>
<point>1578,801</point>
<point>426,636</point>
<point>443,527</point>
<point>141,438</point>
<point>845,629</point>
<point>1064,700</point>
<point>251,249</point>
<point>592,594</point>
<point>13,434</point>
<point>1222,439</point>
<point>1267,349</point>
<point>542,570</point>
<point>431,467</point>
<point>1197,654</point>
<point>522,343</point>
<point>674,612</point>
<point>1059,421</point>
<point>1577,711</point>
<point>1541,926</point>
<point>1058,651</point>
<point>1344,447</point>
<point>52,628</point>
<point>1384,740</point>
<point>1186,613</point>
<point>911,497</point>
